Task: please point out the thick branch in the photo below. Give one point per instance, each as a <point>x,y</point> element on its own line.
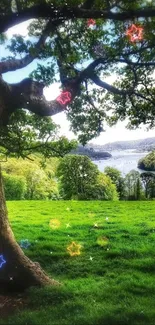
<point>108,87</point>
<point>28,94</point>
<point>65,13</point>
<point>13,64</point>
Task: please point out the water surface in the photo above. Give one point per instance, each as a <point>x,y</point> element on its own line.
<point>123,160</point>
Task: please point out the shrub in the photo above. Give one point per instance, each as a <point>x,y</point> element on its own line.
<point>14,186</point>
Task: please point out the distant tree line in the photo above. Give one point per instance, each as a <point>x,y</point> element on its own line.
<point>134,186</point>
<point>73,177</point>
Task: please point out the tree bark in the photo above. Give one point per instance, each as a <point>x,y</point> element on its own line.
<point>19,272</point>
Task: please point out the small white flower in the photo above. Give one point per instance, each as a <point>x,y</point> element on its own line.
<point>91,258</point>
<point>106,218</point>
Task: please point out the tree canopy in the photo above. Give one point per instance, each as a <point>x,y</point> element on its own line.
<point>148,162</point>
<point>28,133</point>
<point>79,44</point>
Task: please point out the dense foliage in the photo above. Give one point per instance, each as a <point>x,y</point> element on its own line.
<point>30,179</point>
<point>80,179</point>
<point>148,162</point>
<point>148,180</point>
<point>75,174</point>
<point>72,177</point>
<point>133,186</point>
<point>14,186</point>
<point>117,179</point>
<point>81,57</point>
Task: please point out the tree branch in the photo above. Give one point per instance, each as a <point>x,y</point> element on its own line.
<point>28,94</point>
<point>46,146</point>
<point>12,65</point>
<point>64,13</point>
<point>108,87</point>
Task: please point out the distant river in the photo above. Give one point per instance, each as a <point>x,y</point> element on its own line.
<point>123,160</point>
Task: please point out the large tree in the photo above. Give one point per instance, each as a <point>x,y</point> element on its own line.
<point>25,134</point>
<point>70,50</point>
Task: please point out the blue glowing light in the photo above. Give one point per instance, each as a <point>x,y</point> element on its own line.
<point>24,243</point>
<point>2,261</point>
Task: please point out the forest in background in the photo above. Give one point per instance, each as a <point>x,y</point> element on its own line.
<point>72,177</point>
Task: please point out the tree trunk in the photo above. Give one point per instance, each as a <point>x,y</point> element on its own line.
<point>19,272</point>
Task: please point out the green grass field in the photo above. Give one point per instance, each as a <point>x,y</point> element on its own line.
<point>111,282</point>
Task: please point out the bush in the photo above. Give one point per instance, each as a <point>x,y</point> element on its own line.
<point>14,187</point>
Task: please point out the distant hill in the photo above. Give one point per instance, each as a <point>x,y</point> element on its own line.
<point>141,145</point>
<point>91,152</point>
<point>97,152</point>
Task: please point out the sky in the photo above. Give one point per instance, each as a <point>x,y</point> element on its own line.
<point>115,133</point>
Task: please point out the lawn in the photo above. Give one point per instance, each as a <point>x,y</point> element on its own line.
<point>111,282</point>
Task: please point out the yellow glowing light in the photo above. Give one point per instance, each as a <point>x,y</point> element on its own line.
<point>102,241</point>
<point>74,249</point>
<point>54,223</point>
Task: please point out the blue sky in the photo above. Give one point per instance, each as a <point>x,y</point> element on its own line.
<point>115,133</point>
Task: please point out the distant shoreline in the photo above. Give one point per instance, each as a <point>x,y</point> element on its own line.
<point>123,160</point>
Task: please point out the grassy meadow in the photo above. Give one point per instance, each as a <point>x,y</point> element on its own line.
<point>111,282</point>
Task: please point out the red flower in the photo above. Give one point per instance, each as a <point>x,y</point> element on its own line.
<point>91,22</point>
<point>64,98</point>
<point>135,33</point>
